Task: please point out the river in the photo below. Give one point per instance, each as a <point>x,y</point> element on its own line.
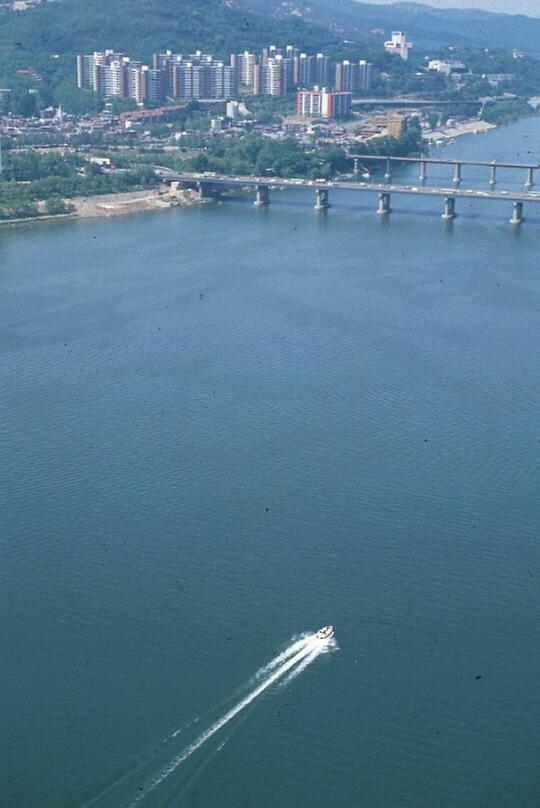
<point>221,427</point>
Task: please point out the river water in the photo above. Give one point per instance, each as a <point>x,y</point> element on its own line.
<point>223,427</point>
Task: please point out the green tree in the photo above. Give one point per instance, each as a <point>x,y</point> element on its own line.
<point>433,119</point>
<point>55,206</point>
<point>24,102</point>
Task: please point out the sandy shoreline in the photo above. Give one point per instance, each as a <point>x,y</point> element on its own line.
<point>467,128</point>
<point>87,207</point>
<point>131,202</point>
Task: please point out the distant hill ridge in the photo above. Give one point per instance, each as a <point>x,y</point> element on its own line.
<point>48,37</point>
<point>429,27</point>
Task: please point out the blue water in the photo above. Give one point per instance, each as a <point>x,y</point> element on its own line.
<point>220,427</point>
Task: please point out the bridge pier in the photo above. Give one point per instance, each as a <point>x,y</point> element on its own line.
<point>356,167</point>
<point>388,172</point>
<point>423,171</point>
<point>530,178</point>
<point>457,174</point>
<point>449,211</point>
<point>321,199</point>
<point>262,195</point>
<point>204,190</point>
<point>384,204</point>
<point>493,177</point>
<point>517,213</point>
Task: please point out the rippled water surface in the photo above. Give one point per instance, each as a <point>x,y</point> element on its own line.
<point>221,427</point>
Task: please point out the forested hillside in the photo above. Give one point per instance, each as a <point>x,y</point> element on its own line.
<point>48,38</point>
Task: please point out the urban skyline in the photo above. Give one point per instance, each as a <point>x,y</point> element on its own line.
<point>177,76</point>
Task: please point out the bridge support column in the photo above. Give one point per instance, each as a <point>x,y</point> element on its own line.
<point>423,172</point>
<point>457,174</point>
<point>321,199</point>
<point>449,211</point>
<point>204,190</point>
<point>388,172</point>
<point>517,213</point>
<point>262,195</point>
<point>493,177</point>
<point>384,205</point>
<point>530,178</point>
<point>356,167</point>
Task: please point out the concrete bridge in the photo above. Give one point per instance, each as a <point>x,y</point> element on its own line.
<point>424,162</point>
<point>406,101</point>
<point>211,185</point>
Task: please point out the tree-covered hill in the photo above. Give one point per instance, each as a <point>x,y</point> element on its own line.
<point>48,37</point>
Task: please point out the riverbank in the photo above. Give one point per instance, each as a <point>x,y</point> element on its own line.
<point>28,219</point>
<point>132,202</point>
<point>472,127</point>
<point>86,207</point>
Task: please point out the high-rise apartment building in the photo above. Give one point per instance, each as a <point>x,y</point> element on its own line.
<point>173,75</point>
<point>166,62</point>
<point>182,80</point>
<point>346,76</point>
<point>272,79</point>
<point>353,77</point>
<point>322,70</point>
<point>118,77</point>
<point>365,75</point>
<point>246,63</point>
<point>275,72</point>
<point>152,83</point>
<point>230,82</point>
<point>278,71</point>
<point>305,71</point>
<point>136,83</point>
<point>85,70</point>
<point>104,72</point>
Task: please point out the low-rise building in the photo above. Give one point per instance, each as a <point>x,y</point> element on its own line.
<point>159,115</point>
<point>322,103</point>
<point>448,67</point>
<point>499,78</point>
<point>396,124</point>
<point>398,45</point>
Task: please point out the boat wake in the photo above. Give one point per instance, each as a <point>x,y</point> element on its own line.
<point>301,653</point>
<point>327,646</point>
<point>297,644</point>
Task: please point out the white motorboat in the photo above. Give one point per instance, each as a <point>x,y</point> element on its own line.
<point>325,632</point>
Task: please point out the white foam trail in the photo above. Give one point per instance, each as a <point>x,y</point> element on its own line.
<point>184,728</point>
<point>329,646</point>
<point>311,647</point>
<point>302,666</point>
<point>290,651</point>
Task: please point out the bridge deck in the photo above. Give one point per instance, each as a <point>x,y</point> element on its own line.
<point>438,161</point>
<point>273,182</point>
<point>406,102</point>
